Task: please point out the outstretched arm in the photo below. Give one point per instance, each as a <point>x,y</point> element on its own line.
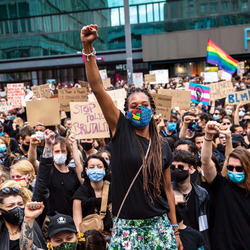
<point>206,152</point>
<point>111,113</point>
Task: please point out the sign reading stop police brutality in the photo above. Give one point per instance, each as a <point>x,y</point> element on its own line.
<point>88,120</point>
<point>15,94</point>
<point>199,93</point>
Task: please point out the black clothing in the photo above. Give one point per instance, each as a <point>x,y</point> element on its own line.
<point>190,217</point>
<point>5,240</point>
<point>231,210</point>
<point>55,188</point>
<point>191,239</point>
<point>91,204</point>
<point>220,154</point>
<point>14,244</point>
<point>126,161</point>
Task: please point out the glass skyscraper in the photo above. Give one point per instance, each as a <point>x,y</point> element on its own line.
<point>45,28</point>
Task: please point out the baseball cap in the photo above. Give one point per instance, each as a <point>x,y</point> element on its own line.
<point>237,138</point>
<point>59,223</point>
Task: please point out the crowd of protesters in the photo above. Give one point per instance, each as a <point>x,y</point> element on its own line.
<point>181,183</point>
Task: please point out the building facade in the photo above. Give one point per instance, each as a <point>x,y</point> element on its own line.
<point>40,40</point>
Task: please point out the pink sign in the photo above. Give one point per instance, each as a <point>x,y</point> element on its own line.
<point>15,94</point>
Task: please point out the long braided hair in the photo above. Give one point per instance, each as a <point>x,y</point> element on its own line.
<point>153,176</point>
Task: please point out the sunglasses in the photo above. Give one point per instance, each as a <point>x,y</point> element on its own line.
<point>228,123</point>
<point>179,166</point>
<point>237,168</point>
<point>7,190</point>
<point>16,159</point>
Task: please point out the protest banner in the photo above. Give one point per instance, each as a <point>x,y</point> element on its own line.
<point>41,91</point>
<point>106,83</point>
<point>225,76</point>
<point>161,76</point>
<point>44,111</point>
<point>117,95</point>
<point>103,73</point>
<point>150,78</point>
<point>240,96</point>
<point>138,79</point>
<point>65,96</point>
<point>210,76</point>
<point>88,120</point>
<point>5,107</point>
<point>163,105</point>
<point>180,98</point>
<point>199,93</point>
<point>220,90</point>
<point>15,94</point>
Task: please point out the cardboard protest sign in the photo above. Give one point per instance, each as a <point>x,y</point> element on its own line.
<point>210,76</point>
<point>15,94</point>
<point>150,78</point>
<point>138,79</point>
<point>65,96</point>
<point>88,120</point>
<point>106,83</point>
<point>103,73</point>
<point>5,107</point>
<point>220,90</point>
<point>83,84</point>
<point>199,93</point>
<point>226,76</point>
<point>163,105</point>
<point>45,111</point>
<point>117,95</point>
<point>161,76</point>
<point>240,96</point>
<point>180,98</point>
<point>41,91</point>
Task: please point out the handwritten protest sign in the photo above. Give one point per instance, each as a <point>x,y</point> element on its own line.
<point>210,76</point>
<point>138,79</point>
<point>45,111</point>
<point>103,73</point>
<point>41,91</point>
<point>161,76</point>
<point>220,90</point>
<point>117,95</point>
<point>106,83</point>
<point>150,78</point>
<point>15,94</point>
<point>65,96</point>
<point>240,96</point>
<point>199,93</point>
<point>83,84</point>
<point>180,98</point>
<point>5,107</point>
<point>88,120</point>
<point>163,105</point>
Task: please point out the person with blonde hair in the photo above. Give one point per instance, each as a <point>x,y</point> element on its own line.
<point>23,173</point>
<point>4,150</point>
<point>3,175</point>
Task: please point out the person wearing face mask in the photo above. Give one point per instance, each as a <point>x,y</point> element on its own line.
<point>191,239</point>
<point>11,219</point>
<point>88,148</point>
<point>146,211</point>
<point>171,127</point>
<point>218,115</point>
<point>196,197</point>
<point>230,194</point>
<point>87,199</point>
<point>4,151</point>
<point>54,176</point>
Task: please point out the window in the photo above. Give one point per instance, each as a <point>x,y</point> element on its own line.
<point>115,17</point>
<point>133,14</point>
<point>142,14</point>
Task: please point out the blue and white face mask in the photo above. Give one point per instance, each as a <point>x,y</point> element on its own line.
<point>236,177</point>
<point>171,126</point>
<point>140,117</point>
<point>96,174</point>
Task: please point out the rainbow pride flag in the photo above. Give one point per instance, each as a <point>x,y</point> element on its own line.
<point>215,55</point>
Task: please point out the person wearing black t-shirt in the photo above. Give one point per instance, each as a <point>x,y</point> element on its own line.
<point>195,196</point>
<point>230,195</point>
<point>134,138</point>
<point>56,183</point>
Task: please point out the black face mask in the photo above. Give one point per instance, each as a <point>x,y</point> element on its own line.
<point>25,147</point>
<point>86,145</point>
<point>14,216</point>
<point>180,212</point>
<point>180,175</point>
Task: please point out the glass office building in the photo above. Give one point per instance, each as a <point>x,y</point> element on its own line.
<point>51,29</point>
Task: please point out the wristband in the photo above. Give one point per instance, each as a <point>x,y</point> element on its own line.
<point>207,139</point>
<point>175,225</point>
